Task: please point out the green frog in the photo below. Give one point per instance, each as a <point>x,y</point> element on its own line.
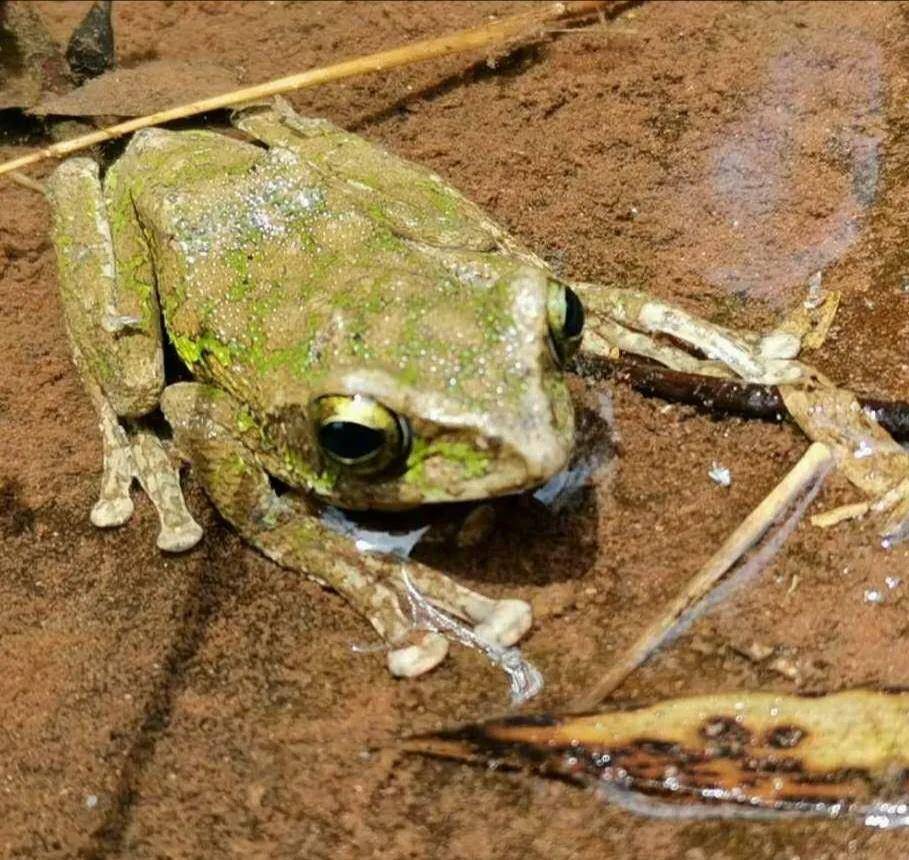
<point>354,333</point>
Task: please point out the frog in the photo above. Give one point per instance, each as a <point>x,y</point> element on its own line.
<point>349,331</point>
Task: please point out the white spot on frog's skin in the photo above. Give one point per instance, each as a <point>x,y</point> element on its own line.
<point>270,202</point>
<point>283,156</point>
<point>114,323</point>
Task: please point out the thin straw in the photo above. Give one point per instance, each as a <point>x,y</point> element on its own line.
<point>463,40</point>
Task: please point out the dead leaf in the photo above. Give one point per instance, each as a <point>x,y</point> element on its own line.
<point>145,89</point>
<point>842,753</point>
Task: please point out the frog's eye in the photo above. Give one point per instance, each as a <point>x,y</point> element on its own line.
<point>359,433</point>
<point>566,321</point>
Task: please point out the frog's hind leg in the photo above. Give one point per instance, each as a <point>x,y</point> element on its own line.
<point>140,456</point>
<point>503,622</point>
<point>115,505</point>
<point>114,326</point>
<point>204,421</point>
<point>160,479</point>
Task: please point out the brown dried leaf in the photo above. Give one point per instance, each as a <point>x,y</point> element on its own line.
<point>840,753</point>
<point>142,90</point>
<point>31,64</point>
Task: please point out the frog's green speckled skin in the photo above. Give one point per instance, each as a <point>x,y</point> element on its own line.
<point>316,264</point>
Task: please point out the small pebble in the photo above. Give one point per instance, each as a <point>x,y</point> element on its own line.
<point>91,801</point>
<point>893,581</point>
<point>872,595</point>
<point>719,474</point>
<point>815,292</point>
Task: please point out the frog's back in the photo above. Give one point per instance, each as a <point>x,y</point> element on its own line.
<point>276,275</point>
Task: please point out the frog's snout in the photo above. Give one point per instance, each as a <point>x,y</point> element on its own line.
<point>510,456</point>
<point>546,451</point>
<point>545,458</point>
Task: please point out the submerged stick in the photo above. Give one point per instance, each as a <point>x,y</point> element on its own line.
<point>462,40</point>
<point>812,463</point>
<point>734,397</point>
<point>26,181</point>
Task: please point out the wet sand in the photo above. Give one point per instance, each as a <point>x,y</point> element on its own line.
<point>210,704</point>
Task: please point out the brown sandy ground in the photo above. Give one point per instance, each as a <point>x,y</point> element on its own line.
<point>210,706</point>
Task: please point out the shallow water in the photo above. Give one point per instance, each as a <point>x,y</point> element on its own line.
<point>212,699</point>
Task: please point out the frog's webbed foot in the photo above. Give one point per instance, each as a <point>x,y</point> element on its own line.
<point>410,661</point>
<point>115,505</point>
<point>138,453</point>
<point>501,622</point>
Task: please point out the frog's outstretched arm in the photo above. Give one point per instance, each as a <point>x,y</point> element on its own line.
<point>204,419</point>
<point>114,325</point>
<point>626,320</point>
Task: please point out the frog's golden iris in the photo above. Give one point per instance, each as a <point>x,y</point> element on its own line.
<point>566,321</point>
<point>360,433</point>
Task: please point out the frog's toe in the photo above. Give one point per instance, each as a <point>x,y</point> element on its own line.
<point>413,660</point>
<point>179,538</point>
<point>160,479</point>
<point>111,512</point>
<point>507,623</point>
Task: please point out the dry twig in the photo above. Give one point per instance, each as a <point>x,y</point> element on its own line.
<point>813,462</point>
<point>493,33</point>
<point>26,181</point>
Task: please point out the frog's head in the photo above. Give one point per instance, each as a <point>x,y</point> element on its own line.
<point>456,392</point>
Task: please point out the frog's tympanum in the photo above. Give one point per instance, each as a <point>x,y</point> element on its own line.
<point>354,329</point>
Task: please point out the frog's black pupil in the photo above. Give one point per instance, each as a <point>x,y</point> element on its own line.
<point>350,441</point>
<point>574,315</point>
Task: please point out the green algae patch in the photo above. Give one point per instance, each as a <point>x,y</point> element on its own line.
<point>191,350</point>
<point>473,463</point>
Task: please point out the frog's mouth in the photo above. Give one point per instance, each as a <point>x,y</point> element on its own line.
<point>407,447</point>
<point>446,467</point>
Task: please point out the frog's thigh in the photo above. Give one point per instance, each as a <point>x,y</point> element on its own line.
<point>203,418</point>
<point>114,326</point>
<point>115,330</point>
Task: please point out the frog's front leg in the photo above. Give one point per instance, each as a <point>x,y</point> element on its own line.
<point>626,319</point>
<point>204,420</point>
<point>112,318</point>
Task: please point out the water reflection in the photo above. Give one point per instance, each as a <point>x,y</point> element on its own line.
<point>789,187</point>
